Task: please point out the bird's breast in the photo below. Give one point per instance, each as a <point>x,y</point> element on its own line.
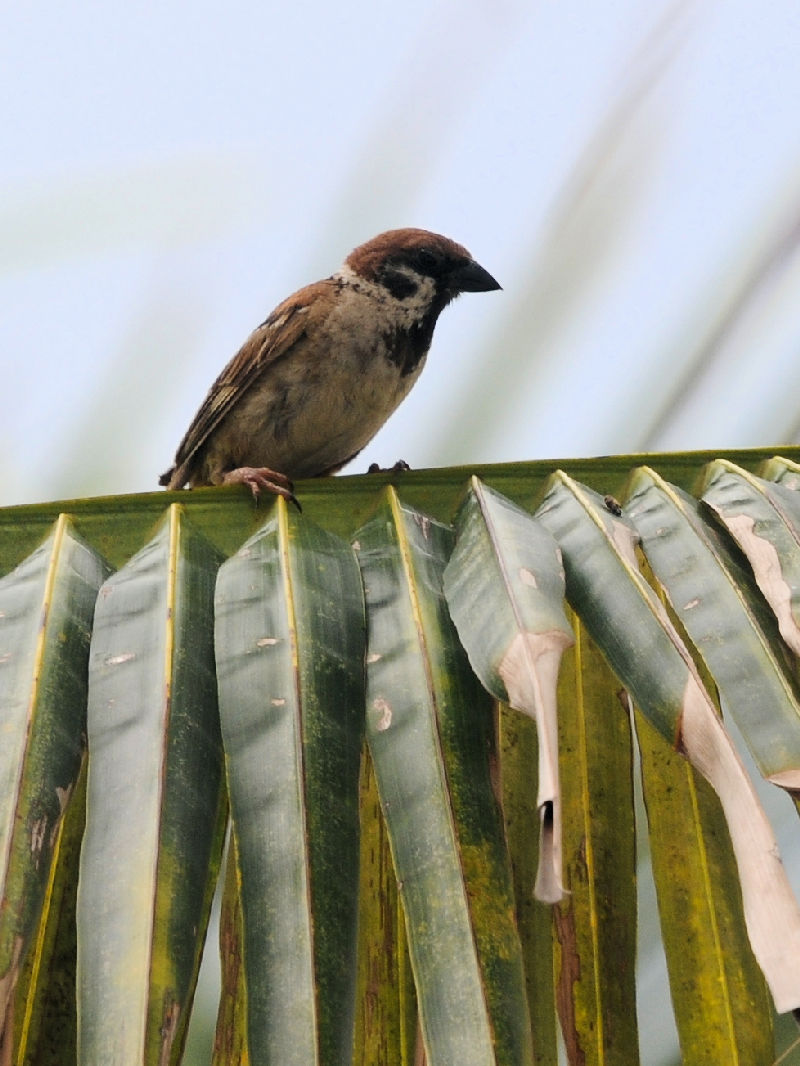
<point>339,408</point>
<point>326,399</point>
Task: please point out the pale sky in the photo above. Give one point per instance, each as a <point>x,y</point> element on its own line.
<point>169,173</point>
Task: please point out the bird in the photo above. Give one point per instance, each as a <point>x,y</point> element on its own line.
<point>313,384</point>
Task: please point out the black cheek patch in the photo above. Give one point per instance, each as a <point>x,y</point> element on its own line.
<point>398,285</point>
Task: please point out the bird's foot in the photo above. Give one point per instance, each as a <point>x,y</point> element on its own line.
<point>259,478</point>
<point>398,468</point>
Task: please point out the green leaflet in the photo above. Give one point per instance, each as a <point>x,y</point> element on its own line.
<point>595,923</point>
<point>46,607</point>
<point>429,727</point>
<point>505,590</point>
<point>504,578</point>
<point>718,1023</point>
<point>615,602</point>
<point>781,470</point>
<point>622,614</point>
<point>505,585</point>
<point>764,519</point>
<point>519,755</point>
<point>719,997</point>
<point>119,525</point>
<point>230,1036</point>
<point>290,658</point>
<point>155,805</point>
<point>386,1007</point>
<point>727,623</point>
<point>48,1035</point>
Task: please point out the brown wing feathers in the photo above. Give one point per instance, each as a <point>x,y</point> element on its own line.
<point>270,342</point>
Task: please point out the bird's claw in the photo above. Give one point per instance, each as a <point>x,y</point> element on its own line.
<point>399,467</point>
<point>259,478</point>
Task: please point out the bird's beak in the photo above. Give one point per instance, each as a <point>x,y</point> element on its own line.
<point>471,277</point>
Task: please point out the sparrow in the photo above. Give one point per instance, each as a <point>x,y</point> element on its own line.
<point>313,384</point>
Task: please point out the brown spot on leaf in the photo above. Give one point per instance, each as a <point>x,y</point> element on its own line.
<point>38,835</point>
<point>8,982</point>
<point>568,976</point>
<point>169,1026</point>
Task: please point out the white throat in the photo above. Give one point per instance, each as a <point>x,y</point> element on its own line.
<point>407,311</point>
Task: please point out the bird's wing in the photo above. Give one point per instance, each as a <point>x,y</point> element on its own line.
<point>272,340</point>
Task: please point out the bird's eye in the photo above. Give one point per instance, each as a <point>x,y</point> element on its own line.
<point>426,260</point>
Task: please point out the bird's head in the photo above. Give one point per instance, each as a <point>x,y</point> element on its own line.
<point>408,262</point>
